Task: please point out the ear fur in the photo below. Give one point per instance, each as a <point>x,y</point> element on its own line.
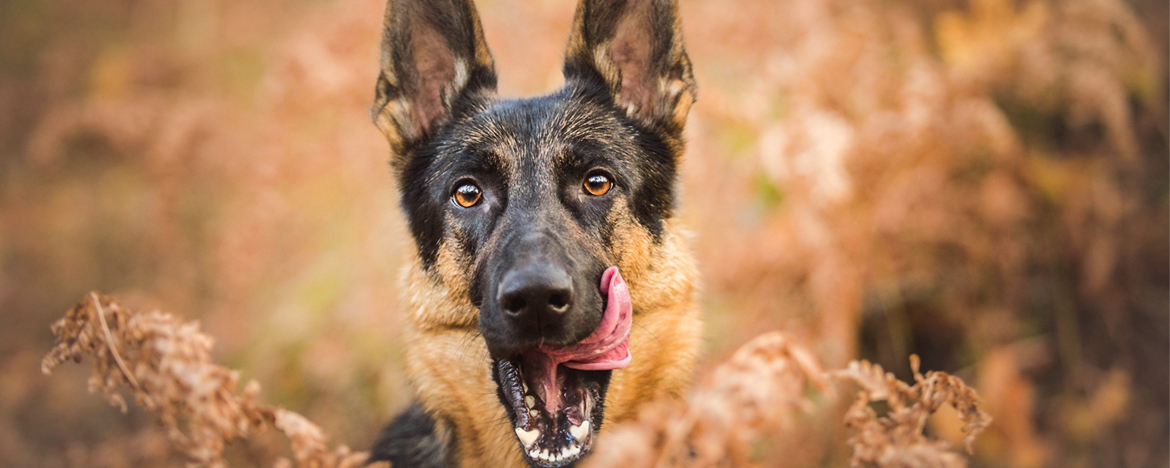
<point>433,55</point>
<point>634,48</point>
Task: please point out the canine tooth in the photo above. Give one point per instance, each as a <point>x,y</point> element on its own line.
<point>529,401</point>
<point>579,432</point>
<point>527,437</point>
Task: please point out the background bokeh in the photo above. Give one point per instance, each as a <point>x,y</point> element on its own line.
<point>981,182</point>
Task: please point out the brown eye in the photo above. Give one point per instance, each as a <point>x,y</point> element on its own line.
<point>597,184</point>
<point>467,195</point>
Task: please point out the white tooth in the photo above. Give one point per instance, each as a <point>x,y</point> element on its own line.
<point>573,450</point>
<point>544,454</point>
<point>533,413</point>
<point>579,432</point>
<point>527,437</point>
<point>525,385</point>
<point>529,401</point>
<point>559,457</point>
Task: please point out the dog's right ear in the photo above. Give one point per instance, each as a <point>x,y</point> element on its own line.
<point>433,57</point>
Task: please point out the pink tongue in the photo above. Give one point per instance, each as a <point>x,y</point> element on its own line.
<point>608,347</point>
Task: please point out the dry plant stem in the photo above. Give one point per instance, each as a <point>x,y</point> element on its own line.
<point>195,400</point>
<point>110,341</point>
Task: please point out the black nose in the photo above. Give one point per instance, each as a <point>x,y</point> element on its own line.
<point>539,294</point>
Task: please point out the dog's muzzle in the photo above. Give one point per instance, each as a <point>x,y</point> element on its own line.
<point>555,393</point>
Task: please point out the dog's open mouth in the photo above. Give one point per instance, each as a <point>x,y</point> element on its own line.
<point>555,395</point>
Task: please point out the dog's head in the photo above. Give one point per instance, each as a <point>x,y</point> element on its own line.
<point>524,206</point>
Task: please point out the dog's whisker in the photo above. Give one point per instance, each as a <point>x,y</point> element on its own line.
<point>467,342</point>
<point>649,333</point>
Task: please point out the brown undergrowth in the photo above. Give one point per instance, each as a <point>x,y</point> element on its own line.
<point>165,363</point>
<point>765,391</point>
<point>896,439</point>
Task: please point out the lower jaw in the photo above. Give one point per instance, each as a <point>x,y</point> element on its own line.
<point>560,436</point>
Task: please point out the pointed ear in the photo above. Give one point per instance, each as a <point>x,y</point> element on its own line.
<point>433,57</point>
<point>635,49</point>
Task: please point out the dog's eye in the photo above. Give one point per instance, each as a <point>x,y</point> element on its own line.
<point>597,184</point>
<point>467,195</point>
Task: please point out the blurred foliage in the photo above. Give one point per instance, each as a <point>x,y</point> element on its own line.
<point>165,363</point>
<point>983,183</point>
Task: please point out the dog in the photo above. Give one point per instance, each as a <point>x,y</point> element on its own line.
<point>552,293</point>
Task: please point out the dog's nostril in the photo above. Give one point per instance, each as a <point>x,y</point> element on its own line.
<point>558,302</point>
<point>515,306</point>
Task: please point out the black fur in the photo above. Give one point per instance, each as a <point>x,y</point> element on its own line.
<point>411,440</point>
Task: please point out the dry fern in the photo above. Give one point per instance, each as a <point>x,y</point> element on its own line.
<point>756,395</point>
<point>166,364</point>
<point>896,439</point>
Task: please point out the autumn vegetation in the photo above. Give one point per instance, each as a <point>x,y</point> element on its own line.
<point>752,398</point>
<point>979,183</point>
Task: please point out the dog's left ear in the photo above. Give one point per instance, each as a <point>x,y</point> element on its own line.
<point>634,48</point>
<point>434,58</point>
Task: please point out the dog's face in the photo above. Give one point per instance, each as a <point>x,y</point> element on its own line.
<point>523,205</point>
<point>530,196</point>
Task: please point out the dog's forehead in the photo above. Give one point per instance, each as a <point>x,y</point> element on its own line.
<point>540,128</point>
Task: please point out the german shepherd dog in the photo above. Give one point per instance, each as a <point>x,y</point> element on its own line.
<point>552,293</point>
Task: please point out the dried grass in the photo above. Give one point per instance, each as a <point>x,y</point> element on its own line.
<point>166,364</point>
<point>896,439</point>
<point>759,394</point>
<point>756,393</point>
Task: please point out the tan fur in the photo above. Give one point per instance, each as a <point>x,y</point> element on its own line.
<point>449,365</point>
